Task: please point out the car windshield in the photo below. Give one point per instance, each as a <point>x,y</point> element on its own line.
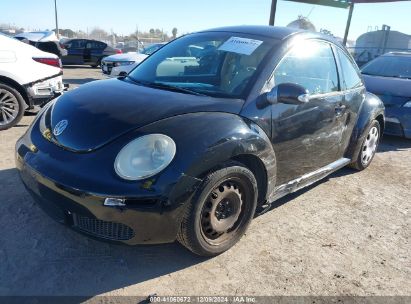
<point>218,64</point>
<point>389,66</point>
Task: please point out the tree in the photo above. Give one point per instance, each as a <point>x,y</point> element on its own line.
<point>98,33</point>
<point>174,31</point>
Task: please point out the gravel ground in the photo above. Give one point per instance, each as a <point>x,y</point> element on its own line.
<point>347,235</point>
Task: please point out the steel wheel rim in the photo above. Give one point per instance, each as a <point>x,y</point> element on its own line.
<point>223,211</point>
<point>370,146</point>
<point>9,107</point>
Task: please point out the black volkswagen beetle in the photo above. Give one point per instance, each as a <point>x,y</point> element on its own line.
<point>189,147</point>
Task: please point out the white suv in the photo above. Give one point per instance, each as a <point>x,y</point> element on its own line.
<point>28,77</point>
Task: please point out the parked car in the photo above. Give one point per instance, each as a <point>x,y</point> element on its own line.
<point>132,46</point>
<point>389,77</point>
<point>192,154</point>
<point>87,52</point>
<point>45,41</point>
<point>28,77</point>
<point>122,64</point>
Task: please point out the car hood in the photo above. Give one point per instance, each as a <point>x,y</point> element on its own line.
<point>392,91</point>
<point>101,111</point>
<point>132,56</point>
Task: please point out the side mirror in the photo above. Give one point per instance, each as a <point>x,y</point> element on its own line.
<point>288,93</point>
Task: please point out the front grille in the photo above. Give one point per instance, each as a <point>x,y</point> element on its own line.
<point>108,65</point>
<point>102,229</point>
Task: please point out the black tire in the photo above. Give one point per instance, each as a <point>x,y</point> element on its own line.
<point>10,101</point>
<point>226,197</point>
<point>362,161</point>
<point>97,64</point>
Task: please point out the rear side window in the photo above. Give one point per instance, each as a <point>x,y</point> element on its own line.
<point>310,64</point>
<point>100,45</point>
<point>95,45</point>
<point>75,44</point>
<point>350,75</point>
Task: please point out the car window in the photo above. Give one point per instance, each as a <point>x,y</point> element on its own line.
<point>95,45</point>
<point>310,64</point>
<point>350,74</point>
<point>75,44</point>
<point>389,66</point>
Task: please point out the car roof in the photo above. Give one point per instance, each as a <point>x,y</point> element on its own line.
<point>276,32</point>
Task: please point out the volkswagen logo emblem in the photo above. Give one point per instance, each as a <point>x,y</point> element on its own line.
<point>60,127</point>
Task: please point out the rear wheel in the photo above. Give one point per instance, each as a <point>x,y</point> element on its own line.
<point>220,212</point>
<point>368,147</point>
<point>98,63</point>
<point>11,106</point>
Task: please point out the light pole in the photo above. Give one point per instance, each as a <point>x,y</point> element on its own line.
<point>57,23</point>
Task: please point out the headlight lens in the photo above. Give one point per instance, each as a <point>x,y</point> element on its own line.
<point>120,63</point>
<point>407,104</point>
<point>145,156</point>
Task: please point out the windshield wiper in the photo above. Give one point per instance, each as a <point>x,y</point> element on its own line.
<point>160,85</point>
<point>400,76</point>
<point>387,76</point>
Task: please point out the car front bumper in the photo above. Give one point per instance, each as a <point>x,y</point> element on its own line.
<point>398,121</point>
<point>147,218</point>
<point>110,70</point>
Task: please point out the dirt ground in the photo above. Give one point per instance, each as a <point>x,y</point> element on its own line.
<point>347,235</point>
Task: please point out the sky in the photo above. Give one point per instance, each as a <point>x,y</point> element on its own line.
<point>124,16</point>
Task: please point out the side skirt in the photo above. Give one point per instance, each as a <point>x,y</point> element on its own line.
<point>307,179</point>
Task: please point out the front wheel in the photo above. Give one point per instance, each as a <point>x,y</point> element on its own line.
<point>368,147</point>
<point>220,212</point>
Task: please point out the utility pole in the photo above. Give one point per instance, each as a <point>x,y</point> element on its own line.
<point>57,23</point>
<point>272,12</point>
<point>347,27</point>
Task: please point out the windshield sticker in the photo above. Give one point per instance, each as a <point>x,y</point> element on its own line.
<point>240,45</point>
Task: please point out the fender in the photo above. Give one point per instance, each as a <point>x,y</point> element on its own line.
<point>214,139</point>
<point>371,108</point>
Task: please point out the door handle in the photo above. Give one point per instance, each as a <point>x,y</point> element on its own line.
<point>339,110</point>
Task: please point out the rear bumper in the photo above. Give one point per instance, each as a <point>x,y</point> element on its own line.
<point>44,90</point>
<point>398,122</point>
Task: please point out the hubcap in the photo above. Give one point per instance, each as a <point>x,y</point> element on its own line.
<point>370,146</point>
<point>221,210</point>
<point>9,107</point>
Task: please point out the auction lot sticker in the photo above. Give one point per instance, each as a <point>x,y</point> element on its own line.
<point>240,45</point>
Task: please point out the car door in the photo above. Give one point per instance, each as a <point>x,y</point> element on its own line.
<point>307,136</point>
<point>87,52</point>
<point>74,52</point>
<point>354,94</point>
<point>101,50</point>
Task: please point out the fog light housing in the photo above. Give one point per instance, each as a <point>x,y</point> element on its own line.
<point>114,202</point>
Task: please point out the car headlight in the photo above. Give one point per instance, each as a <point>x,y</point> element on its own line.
<point>407,104</point>
<point>120,63</point>
<point>145,156</point>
